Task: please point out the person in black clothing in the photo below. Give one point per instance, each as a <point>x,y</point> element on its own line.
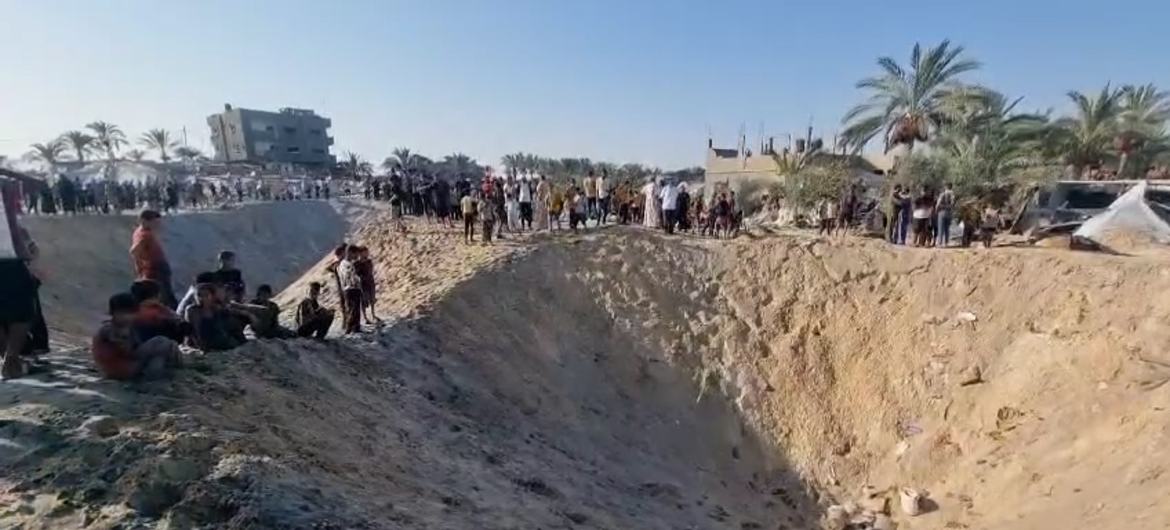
<point>228,275</point>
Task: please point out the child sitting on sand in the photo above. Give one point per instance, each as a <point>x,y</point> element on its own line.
<point>121,354</point>
<point>153,318</point>
<point>312,319</point>
<point>209,319</point>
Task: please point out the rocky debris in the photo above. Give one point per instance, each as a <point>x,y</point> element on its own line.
<point>99,427</point>
<point>973,375</point>
<point>911,501</point>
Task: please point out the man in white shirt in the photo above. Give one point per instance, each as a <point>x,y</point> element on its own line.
<point>602,197</point>
<point>669,195</point>
<point>526,203</point>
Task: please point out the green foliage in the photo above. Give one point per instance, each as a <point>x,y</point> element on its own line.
<point>905,103</point>
<point>815,181</point>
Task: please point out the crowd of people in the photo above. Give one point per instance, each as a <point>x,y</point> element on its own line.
<point>514,203</point>
<point>922,219</point>
<point>72,196</point>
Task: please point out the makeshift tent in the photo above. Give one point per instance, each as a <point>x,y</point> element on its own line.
<point>1130,214</point>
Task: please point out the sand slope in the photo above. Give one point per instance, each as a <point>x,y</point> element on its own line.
<point>621,379</point>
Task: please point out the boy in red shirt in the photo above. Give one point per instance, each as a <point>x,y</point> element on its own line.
<point>119,352</point>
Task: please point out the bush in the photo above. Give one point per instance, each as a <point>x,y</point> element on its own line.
<point>815,181</point>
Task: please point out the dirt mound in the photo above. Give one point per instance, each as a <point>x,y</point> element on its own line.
<point>625,380</point>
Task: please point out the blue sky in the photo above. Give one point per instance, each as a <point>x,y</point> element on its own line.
<point>611,80</point>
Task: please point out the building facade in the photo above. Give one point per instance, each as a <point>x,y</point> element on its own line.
<point>749,173</point>
<point>296,137</point>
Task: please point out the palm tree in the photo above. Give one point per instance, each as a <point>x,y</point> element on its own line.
<point>460,166</point>
<point>187,154</point>
<point>159,139</point>
<point>399,159</point>
<point>79,142</point>
<point>1085,138</point>
<point>108,137</point>
<point>1142,123</point>
<point>904,103</point>
<point>356,166</point>
<point>136,155</point>
<point>48,153</point>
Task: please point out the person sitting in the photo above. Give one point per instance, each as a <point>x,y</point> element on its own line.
<point>154,318</point>
<point>191,297</point>
<point>227,274</point>
<point>209,320</point>
<point>240,315</point>
<point>312,319</point>
<point>120,353</point>
<point>267,324</point>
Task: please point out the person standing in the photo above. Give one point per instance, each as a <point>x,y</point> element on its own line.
<point>18,286</point>
<point>945,207</point>
<point>669,195</point>
<point>468,206</point>
<point>590,185</point>
<point>602,196</point>
<point>651,218</point>
<point>525,193</point>
<point>846,211</point>
<point>150,262</point>
<point>351,291</point>
<point>543,196</point>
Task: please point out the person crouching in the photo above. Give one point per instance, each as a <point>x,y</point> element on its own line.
<point>119,352</point>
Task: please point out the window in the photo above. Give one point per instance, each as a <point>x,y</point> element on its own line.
<point>315,132</point>
<point>294,149</point>
<point>290,130</point>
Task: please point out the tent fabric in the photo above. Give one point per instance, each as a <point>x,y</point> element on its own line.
<point>1129,213</point>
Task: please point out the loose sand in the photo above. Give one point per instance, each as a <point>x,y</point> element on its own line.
<point>621,379</point>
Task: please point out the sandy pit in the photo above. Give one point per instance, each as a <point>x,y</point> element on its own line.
<point>621,379</point>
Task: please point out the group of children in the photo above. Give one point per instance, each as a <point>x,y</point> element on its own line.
<point>354,273</point>
<point>142,338</point>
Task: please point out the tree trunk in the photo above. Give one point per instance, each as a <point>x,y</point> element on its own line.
<point>1121,165</point>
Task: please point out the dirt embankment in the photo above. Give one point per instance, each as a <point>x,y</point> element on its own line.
<point>86,258</point>
<point>626,380</point>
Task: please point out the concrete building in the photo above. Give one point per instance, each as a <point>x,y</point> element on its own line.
<point>749,173</point>
<point>295,137</point>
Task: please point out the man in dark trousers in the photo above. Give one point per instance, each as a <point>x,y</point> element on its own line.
<point>150,262</point>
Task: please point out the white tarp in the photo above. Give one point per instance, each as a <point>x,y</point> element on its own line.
<point>1130,213</point>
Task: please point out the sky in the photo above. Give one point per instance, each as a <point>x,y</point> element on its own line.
<point>624,81</point>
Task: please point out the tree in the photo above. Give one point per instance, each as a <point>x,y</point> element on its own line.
<point>48,153</point>
<point>187,154</point>
<point>460,166</point>
<point>356,166</point>
<point>136,155</point>
<point>1085,138</point>
<point>159,139</point>
<point>983,139</point>
<point>1141,124</point>
<point>904,104</point>
<point>79,142</point>
<point>108,137</point>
